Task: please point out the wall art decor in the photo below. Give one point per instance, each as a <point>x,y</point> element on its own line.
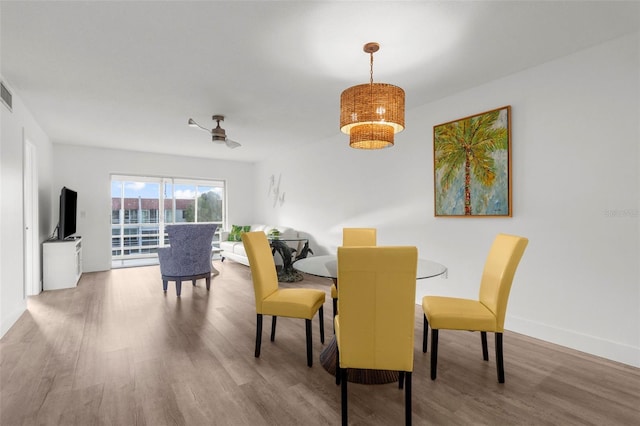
<point>274,190</point>
<point>472,165</point>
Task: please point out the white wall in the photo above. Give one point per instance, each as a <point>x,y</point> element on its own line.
<point>575,156</point>
<point>17,126</point>
<point>88,170</point>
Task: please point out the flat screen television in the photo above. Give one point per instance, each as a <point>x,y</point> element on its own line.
<point>68,211</point>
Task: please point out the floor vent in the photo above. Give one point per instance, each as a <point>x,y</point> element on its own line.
<point>7,99</point>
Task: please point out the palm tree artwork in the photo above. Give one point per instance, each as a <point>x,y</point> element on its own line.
<point>471,165</point>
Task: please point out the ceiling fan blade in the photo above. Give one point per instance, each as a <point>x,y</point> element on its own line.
<point>192,123</point>
<point>232,144</point>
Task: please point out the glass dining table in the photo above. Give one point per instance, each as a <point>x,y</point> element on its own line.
<point>326,266</point>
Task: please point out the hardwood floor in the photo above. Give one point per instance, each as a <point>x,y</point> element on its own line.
<point>116,350</point>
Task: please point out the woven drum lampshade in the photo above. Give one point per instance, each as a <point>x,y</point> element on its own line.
<point>371,114</point>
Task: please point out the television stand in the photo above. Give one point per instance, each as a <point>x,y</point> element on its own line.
<point>62,263</point>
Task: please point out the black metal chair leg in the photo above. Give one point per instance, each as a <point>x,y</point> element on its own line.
<point>499,358</point>
<point>425,334</point>
<point>321,318</point>
<point>400,379</point>
<point>273,327</point>
<point>309,345</point>
<point>407,400</point>
<point>343,396</point>
<point>485,351</point>
<point>258,334</point>
<point>434,353</point>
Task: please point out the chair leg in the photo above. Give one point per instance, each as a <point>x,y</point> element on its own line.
<point>208,282</point>
<point>338,369</point>
<point>425,334</point>
<point>400,379</point>
<point>335,306</point>
<point>321,319</point>
<point>334,301</point>
<point>499,358</point>
<point>193,282</point>
<point>307,323</point>
<point>485,351</point>
<point>178,287</point>
<point>258,334</point>
<point>434,353</point>
<point>273,327</point>
<point>343,395</point>
<point>165,284</point>
<point>407,400</point>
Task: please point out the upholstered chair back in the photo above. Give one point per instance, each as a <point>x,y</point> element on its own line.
<point>190,250</point>
<point>499,269</point>
<point>376,297</point>
<point>263,268</point>
<point>358,237</point>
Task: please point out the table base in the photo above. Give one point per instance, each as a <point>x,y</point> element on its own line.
<point>289,276</point>
<point>355,375</point>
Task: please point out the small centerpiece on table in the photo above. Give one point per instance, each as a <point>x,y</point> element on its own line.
<point>274,234</point>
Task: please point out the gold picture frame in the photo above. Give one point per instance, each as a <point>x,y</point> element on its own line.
<point>472,165</point>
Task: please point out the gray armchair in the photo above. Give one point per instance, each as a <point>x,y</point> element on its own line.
<point>189,255</point>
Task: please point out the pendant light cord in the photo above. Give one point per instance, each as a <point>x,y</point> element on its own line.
<point>371,68</point>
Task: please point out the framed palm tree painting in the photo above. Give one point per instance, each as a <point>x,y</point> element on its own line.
<point>472,165</point>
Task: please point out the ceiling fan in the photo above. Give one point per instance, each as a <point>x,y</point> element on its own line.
<point>218,134</point>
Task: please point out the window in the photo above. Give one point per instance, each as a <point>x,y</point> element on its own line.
<point>138,222</point>
<point>198,203</point>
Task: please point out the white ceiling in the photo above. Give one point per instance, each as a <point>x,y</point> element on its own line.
<point>128,75</point>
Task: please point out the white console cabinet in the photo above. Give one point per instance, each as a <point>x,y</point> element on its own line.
<point>62,263</point>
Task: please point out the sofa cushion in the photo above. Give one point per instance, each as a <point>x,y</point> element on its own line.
<point>239,250</point>
<point>228,245</point>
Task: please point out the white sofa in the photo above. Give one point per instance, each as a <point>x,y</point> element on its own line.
<point>235,251</point>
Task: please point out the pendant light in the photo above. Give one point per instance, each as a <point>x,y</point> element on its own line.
<point>371,114</point>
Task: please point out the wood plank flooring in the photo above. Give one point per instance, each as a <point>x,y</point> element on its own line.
<point>117,351</point>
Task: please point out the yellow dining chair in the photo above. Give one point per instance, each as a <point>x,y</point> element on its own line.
<point>376,319</point>
<point>271,300</point>
<point>353,237</point>
<point>485,314</point>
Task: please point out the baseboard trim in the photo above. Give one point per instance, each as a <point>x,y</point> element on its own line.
<point>610,350</point>
<point>9,320</point>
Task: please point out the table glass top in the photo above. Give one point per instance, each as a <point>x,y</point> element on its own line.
<point>286,239</point>
<point>327,266</point>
